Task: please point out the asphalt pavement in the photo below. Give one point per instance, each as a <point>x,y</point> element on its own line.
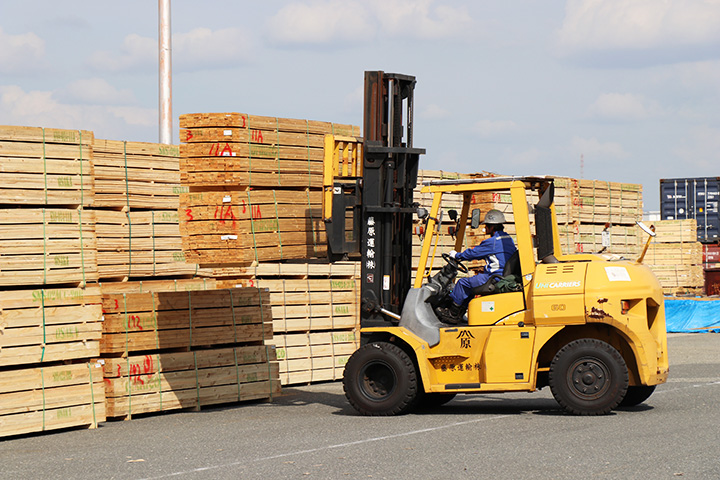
<point>312,432</point>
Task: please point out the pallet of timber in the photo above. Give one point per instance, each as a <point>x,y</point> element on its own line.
<point>140,244</point>
<point>677,276</point>
<point>256,151</point>
<point>136,174</point>
<point>314,356</point>
<point>167,381</point>
<point>42,246</point>
<point>169,285</point>
<point>242,227</point>
<point>689,253</point>
<point>45,166</point>
<point>38,399</point>
<point>49,325</point>
<point>137,322</point>
<point>675,231</point>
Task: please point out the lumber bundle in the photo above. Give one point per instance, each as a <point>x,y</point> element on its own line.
<point>676,257</point>
<point>44,246</point>
<point>314,356</point>
<point>593,216</point>
<point>45,166</point>
<point>136,175</point>
<point>221,229</point>
<point>37,399</point>
<point>141,322</point>
<point>256,151</point>
<point>159,382</point>
<point>49,325</point>
<point>144,243</point>
<point>168,285</point>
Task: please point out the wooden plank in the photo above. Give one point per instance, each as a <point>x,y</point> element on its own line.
<point>257,122</point>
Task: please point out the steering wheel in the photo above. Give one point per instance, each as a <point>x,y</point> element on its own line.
<point>455,263</point>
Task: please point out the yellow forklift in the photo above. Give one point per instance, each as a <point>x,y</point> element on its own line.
<point>591,329</point>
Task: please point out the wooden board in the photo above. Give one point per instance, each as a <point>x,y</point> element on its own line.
<point>173,285</point>
<point>312,357</point>
<point>48,325</point>
<point>675,231</point>
<point>36,399</point>
<point>167,381</point>
<point>157,321</point>
<point>45,166</point>
<point>136,174</point>
<point>44,246</point>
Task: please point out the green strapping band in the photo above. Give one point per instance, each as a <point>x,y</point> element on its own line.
<point>42,297</point>
<point>249,133</point>
<point>82,244</point>
<point>92,395</point>
<point>307,140</point>
<point>277,217</point>
<point>312,222</point>
<point>45,167</point>
<point>152,216</point>
<point>277,148</point>
<point>44,249</point>
<point>42,378</point>
<point>237,372</point>
<point>127,187</point>
<point>312,370</point>
<point>127,357</point>
<point>82,183</point>
<point>252,227</point>
<point>190,315</point>
<point>197,379</point>
<point>267,357</point>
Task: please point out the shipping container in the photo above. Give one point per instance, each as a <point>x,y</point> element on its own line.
<point>712,281</point>
<point>682,198</point>
<point>711,255</point>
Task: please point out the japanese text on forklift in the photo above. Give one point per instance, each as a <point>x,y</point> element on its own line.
<point>590,328</point>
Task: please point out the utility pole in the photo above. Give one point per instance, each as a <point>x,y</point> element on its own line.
<point>165,73</point>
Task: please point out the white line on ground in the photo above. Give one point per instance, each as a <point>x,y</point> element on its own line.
<point>329,447</point>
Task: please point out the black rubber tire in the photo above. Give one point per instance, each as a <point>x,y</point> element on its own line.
<point>380,379</point>
<point>434,400</point>
<point>637,394</point>
<point>588,377</point>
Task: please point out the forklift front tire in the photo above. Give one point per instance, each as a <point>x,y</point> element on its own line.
<point>380,379</point>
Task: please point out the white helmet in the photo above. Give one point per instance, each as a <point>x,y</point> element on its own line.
<point>494,217</point>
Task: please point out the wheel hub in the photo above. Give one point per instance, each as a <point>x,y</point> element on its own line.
<point>377,380</point>
<point>589,378</point>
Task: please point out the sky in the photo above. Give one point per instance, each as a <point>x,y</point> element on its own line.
<point>613,90</point>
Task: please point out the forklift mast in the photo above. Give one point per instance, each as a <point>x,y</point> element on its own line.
<point>378,205</point>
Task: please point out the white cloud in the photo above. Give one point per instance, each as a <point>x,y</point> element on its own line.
<point>42,109</point>
<point>203,47</point>
<point>494,128</point>
<point>622,107</point>
<point>136,53</point>
<point>699,152</point>
<point>21,53</point>
<point>594,148</point>
<point>434,112</point>
<point>665,31</point>
<point>95,91</point>
<point>323,22</point>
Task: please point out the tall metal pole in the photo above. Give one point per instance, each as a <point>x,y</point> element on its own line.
<point>165,74</point>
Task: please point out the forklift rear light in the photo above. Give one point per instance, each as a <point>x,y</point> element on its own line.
<point>625,305</point>
<point>419,230</point>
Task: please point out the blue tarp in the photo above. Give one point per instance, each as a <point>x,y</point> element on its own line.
<point>692,315</point>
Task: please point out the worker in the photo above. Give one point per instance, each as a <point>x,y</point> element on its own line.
<point>495,250</point>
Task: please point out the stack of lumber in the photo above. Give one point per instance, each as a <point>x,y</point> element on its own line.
<point>140,244</point>
<point>593,216</point>
<point>243,227</point>
<point>255,185</point>
<point>45,398</point>
<point>675,257</point>
<point>136,175</point>
<point>315,316</point>
<point>42,246</point>
<point>47,336</point>
<point>45,166</point>
<point>185,348</point>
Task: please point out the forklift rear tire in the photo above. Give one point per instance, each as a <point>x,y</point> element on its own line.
<point>380,379</point>
<point>588,377</point>
<point>637,394</point>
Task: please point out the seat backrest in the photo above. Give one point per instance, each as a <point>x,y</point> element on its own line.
<point>512,266</point>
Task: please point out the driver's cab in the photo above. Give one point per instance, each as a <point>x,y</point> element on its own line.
<point>534,240</point>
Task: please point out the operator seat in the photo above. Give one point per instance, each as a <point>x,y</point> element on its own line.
<point>511,268</point>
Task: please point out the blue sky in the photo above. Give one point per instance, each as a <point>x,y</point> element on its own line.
<point>521,87</point>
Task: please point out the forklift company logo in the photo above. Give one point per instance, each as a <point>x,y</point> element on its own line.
<point>465,336</point>
<point>558,284</point>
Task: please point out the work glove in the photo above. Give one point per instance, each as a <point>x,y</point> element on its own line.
<point>452,253</point>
